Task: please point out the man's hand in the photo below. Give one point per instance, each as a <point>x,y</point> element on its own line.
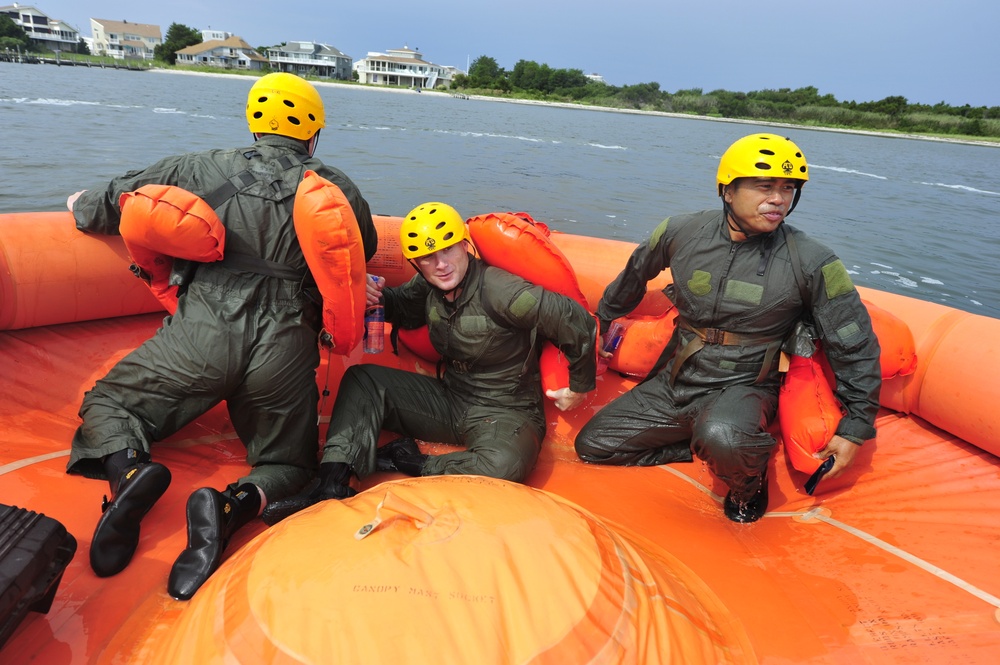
<point>72,199</point>
<point>565,398</point>
<point>373,289</point>
<point>844,451</point>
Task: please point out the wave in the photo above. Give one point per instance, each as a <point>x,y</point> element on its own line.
<point>963,188</point>
<point>50,102</point>
<point>841,169</point>
<point>607,147</point>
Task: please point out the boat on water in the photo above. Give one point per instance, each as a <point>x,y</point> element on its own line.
<point>893,562</point>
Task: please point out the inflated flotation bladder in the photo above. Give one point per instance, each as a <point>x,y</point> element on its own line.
<point>808,409</point>
<point>643,342</point>
<point>331,242</point>
<point>418,340</point>
<point>521,246</point>
<point>162,222</point>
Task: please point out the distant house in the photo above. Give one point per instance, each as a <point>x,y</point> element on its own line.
<point>216,35</point>
<point>122,39</point>
<point>229,53</point>
<point>403,67</point>
<point>310,59</point>
<point>47,33</point>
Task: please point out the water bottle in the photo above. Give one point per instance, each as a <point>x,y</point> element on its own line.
<point>612,339</point>
<point>375,326</point>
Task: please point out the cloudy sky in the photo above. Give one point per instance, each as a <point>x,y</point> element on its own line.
<point>861,50</point>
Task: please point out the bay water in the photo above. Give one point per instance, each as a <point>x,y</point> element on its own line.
<point>909,216</point>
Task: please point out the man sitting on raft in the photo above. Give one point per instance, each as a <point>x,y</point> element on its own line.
<point>742,281</point>
<point>488,325</point>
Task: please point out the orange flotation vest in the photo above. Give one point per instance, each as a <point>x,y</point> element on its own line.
<point>643,342</point>
<point>162,222</point>
<point>521,246</point>
<point>331,242</point>
<point>808,409</point>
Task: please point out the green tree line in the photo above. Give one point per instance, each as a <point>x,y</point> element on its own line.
<point>803,106</point>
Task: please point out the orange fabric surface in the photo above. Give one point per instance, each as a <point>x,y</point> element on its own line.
<point>331,242</point>
<point>893,562</point>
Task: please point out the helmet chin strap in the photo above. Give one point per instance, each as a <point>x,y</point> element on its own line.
<point>313,142</point>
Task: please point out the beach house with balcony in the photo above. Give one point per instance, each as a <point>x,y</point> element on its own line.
<point>404,67</point>
<point>124,39</point>
<point>229,53</point>
<point>47,33</point>
<point>310,59</point>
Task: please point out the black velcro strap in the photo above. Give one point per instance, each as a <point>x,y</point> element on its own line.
<point>229,189</point>
<point>246,263</point>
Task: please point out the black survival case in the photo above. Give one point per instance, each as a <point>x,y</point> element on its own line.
<point>34,552</point>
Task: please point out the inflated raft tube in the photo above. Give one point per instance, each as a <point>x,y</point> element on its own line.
<point>955,384</point>
<point>457,569</point>
<point>51,273</point>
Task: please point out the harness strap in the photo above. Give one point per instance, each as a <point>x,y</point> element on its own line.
<point>705,336</point>
<point>239,182</point>
<point>255,264</point>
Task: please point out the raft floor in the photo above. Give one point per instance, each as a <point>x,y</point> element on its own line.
<point>893,563</point>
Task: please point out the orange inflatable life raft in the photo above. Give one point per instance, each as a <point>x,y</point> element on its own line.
<point>331,242</point>
<point>162,222</point>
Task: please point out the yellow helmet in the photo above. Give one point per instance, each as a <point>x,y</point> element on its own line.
<point>762,156</point>
<point>285,104</point>
<point>430,227</point>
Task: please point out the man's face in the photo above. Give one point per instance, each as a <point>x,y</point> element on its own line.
<point>445,269</point>
<point>760,204</point>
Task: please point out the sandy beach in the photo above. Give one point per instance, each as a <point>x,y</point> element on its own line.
<point>607,109</point>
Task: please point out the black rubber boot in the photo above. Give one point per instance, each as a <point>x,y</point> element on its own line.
<point>401,455</point>
<point>212,518</point>
<point>748,509</point>
<point>332,483</point>
<point>116,537</point>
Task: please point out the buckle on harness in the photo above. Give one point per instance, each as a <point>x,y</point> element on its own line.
<point>460,366</point>
<point>715,336</point>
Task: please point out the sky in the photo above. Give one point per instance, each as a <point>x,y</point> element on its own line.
<point>860,50</point>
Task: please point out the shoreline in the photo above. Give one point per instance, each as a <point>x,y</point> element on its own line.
<point>608,109</point>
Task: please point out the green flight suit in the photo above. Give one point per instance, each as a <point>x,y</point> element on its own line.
<point>489,396</point>
<point>238,335</point>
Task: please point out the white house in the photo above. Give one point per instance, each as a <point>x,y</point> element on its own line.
<point>122,39</point>
<point>402,67</point>
<point>209,35</point>
<point>47,33</point>
<point>310,59</point>
<point>230,53</point>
